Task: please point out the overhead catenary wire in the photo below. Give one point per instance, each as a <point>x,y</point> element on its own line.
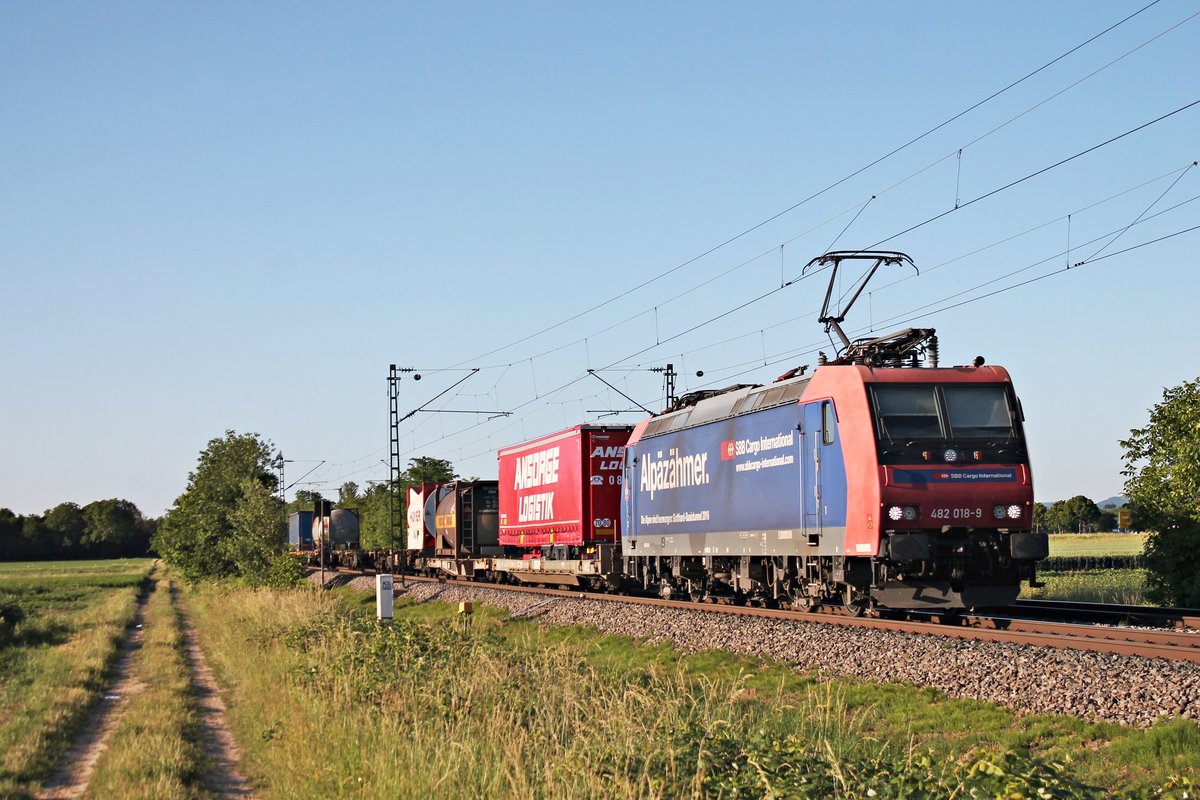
<point>820,192</point>
<point>957,203</point>
<point>1036,173</point>
<point>934,218</point>
<point>660,340</point>
<point>795,353</point>
<point>1136,219</point>
<point>792,354</point>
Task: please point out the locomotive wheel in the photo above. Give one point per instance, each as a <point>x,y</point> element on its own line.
<point>695,591</point>
<point>806,603</point>
<point>854,601</point>
<point>800,599</point>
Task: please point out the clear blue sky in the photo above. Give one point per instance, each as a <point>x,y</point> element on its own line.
<point>236,215</point>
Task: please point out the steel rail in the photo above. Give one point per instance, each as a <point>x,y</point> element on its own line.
<point>1122,614</point>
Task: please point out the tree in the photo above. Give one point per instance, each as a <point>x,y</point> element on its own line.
<point>1079,514</point>
<point>258,531</point>
<point>1162,470</point>
<point>347,494</point>
<point>374,506</point>
<point>101,529</point>
<point>1040,510</point>
<point>113,529</point>
<point>426,469</point>
<point>66,526</point>
<point>13,545</point>
<point>200,533</point>
<point>40,541</point>
<point>304,501</point>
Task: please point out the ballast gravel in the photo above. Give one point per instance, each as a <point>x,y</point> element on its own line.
<point>1127,690</point>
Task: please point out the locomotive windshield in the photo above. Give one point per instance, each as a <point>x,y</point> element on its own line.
<point>947,411</point>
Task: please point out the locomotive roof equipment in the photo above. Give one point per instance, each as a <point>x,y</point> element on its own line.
<point>903,348</point>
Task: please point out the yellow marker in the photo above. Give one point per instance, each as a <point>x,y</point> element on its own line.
<point>466,607</point>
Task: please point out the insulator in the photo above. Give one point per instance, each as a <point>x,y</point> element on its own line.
<point>822,360</point>
<point>933,352</point>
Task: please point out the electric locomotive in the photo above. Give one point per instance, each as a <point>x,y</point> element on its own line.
<point>880,480</point>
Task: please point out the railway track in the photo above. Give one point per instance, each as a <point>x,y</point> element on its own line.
<point>1110,614</point>
<point>1175,645</point>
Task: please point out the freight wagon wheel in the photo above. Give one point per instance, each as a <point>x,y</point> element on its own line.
<point>807,603</point>
<point>800,599</point>
<point>695,590</point>
<point>854,601</point>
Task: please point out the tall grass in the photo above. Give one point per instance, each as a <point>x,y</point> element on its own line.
<point>1120,586</point>
<point>328,703</point>
<point>56,660</point>
<point>155,752</point>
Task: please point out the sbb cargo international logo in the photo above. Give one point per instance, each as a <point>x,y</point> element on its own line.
<point>728,450</point>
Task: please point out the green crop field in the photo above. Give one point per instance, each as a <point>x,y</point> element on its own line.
<point>63,624</point>
<point>1097,544</point>
<point>1120,586</point>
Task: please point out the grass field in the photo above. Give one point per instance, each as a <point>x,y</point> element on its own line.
<point>1121,586</point>
<point>1097,544</point>
<point>1125,586</point>
<point>324,702</point>
<point>53,662</point>
<point>328,703</point>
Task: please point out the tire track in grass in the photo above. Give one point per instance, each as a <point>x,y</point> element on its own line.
<point>225,778</point>
<point>75,768</point>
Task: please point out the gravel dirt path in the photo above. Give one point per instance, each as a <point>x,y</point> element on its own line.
<point>75,769</point>
<point>224,778</point>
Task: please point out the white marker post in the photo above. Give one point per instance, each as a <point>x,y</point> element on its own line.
<point>384,598</point>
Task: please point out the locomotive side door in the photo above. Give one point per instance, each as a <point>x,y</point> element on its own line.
<point>810,471</point>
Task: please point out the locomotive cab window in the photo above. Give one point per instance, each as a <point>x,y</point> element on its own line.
<point>945,411</point>
<point>907,412</point>
<point>827,422</point>
<point>978,412</point>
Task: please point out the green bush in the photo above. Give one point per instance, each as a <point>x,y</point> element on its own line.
<point>1171,563</point>
<point>11,613</point>
<point>283,572</point>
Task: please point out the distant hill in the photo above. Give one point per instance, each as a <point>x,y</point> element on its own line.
<point>1118,501</point>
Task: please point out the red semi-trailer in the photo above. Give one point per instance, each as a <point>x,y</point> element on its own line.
<point>563,489</point>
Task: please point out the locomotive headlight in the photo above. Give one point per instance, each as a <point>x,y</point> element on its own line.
<point>910,513</point>
<point>895,513</point>
<point>1014,512</point>
<point>1000,512</point>
<point>951,455</point>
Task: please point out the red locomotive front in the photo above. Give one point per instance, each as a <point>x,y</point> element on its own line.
<point>955,489</point>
